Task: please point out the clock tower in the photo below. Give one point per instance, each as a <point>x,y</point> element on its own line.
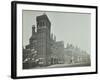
<point>43,39</point>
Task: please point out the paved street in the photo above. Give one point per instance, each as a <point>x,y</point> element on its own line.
<point>69,65</point>
<point>62,65</point>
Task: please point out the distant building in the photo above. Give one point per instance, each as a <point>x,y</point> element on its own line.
<point>58,52</point>
<point>74,55</point>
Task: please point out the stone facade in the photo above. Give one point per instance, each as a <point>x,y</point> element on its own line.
<point>43,39</point>
<point>43,49</point>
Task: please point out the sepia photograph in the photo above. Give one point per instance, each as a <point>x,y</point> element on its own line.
<point>53,39</point>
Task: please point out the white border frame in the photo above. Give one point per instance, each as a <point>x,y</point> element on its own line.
<point>36,72</point>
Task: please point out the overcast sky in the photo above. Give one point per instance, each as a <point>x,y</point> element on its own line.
<point>69,27</point>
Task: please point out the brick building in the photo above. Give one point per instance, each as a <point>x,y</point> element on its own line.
<point>43,49</point>
<point>43,39</point>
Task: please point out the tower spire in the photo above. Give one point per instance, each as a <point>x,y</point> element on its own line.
<point>33,29</point>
